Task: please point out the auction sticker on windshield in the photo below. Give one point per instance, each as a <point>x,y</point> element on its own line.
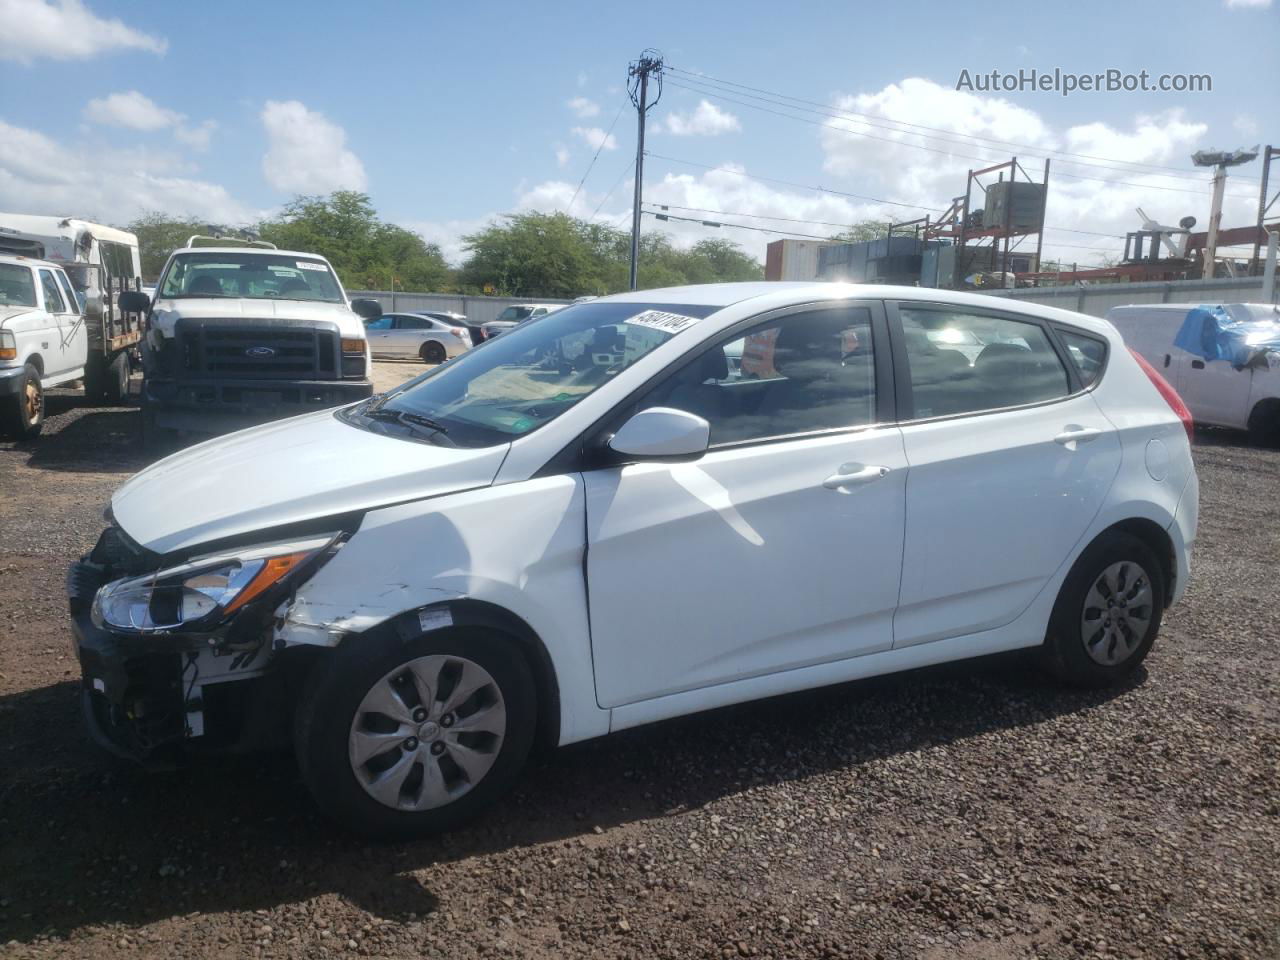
<point>311,265</point>
<point>661,320</point>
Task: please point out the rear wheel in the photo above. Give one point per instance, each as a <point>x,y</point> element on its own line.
<point>1264,424</point>
<point>432,352</point>
<point>1108,612</point>
<point>23,413</point>
<point>403,739</point>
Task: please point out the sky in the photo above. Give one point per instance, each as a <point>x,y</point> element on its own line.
<point>448,115</point>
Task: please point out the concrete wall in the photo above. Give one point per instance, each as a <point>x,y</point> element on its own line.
<point>1097,299</point>
<point>475,309</point>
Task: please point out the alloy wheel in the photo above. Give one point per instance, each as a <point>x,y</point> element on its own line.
<point>32,401</point>
<point>427,732</point>
<point>1117,613</point>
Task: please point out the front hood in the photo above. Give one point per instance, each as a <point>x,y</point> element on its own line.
<point>10,313</point>
<point>166,313</point>
<point>284,472</point>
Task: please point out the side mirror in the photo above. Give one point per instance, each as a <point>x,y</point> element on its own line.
<point>134,301</point>
<point>662,433</point>
<point>367,308</point>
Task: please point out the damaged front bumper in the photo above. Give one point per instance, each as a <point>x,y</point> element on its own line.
<point>153,697</point>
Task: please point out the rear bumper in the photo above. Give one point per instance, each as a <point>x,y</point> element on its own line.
<point>210,406</point>
<point>1183,534</point>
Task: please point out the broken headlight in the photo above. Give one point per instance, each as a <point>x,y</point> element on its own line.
<point>203,592</point>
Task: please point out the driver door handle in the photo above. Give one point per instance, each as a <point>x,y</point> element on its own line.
<point>854,477</point>
<point>1078,435</point>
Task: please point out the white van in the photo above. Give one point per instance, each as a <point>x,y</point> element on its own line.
<point>1218,392</point>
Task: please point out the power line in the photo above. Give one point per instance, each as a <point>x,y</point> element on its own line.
<point>630,166</point>
<point>1176,172</point>
<point>737,226</point>
<point>790,183</point>
<point>592,164</point>
<point>833,223</point>
<point>919,146</point>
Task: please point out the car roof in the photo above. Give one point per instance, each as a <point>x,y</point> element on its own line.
<point>776,294</point>
<point>259,250</point>
<point>28,261</point>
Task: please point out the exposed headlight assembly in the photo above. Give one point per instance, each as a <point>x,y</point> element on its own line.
<point>204,592</point>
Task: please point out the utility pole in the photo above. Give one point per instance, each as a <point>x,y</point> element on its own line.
<point>1219,160</point>
<point>638,74</point>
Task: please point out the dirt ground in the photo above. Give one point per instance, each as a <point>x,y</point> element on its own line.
<point>969,811</point>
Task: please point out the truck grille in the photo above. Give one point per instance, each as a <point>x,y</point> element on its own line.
<point>273,351</point>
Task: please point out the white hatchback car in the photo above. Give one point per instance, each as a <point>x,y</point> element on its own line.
<point>594,523</point>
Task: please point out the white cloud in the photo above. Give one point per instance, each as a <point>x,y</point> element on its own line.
<point>307,152</point>
<point>1245,124</point>
<point>40,175</point>
<point>706,120</point>
<point>562,155</point>
<point>135,111</point>
<point>894,167</point>
<point>196,137</point>
<point>131,110</point>
<point>65,30</point>
<point>595,137</point>
<point>1241,4</point>
<point>584,108</point>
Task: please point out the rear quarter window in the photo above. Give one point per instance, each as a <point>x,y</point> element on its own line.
<point>1088,353</point>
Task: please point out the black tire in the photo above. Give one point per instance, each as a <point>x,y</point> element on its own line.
<point>1264,424</point>
<point>432,352</point>
<point>1066,647</point>
<point>22,416</point>
<point>338,684</point>
<point>95,379</point>
<point>116,387</point>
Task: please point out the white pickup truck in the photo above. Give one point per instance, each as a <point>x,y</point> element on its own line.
<point>1242,395</point>
<point>240,333</point>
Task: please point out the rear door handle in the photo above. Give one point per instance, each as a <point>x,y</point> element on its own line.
<point>1078,435</point>
<point>854,477</point>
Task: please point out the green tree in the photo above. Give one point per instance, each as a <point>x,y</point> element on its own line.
<point>365,251</point>
<point>532,255</point>
<point>158,236</point>
<point>862,231</point>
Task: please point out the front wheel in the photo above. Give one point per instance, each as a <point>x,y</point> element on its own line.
<point>23,413</point>
<point>1108,612</point>
<point>400,739</point>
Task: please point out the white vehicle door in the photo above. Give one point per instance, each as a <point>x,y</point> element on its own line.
<point>66,349</point>
<point>1009,462</point>
<point>79,336</point>
<point>781,547</point>
<point>378,333</point>
<point>1213,390</point>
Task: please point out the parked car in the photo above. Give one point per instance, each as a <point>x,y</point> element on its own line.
<point>515,315</point>
<point>506,551</point>
<point>417,335</point>
<point>52,335</point>
<point>240,333</point>
<point>1222,390</point>
<point>455,320</point>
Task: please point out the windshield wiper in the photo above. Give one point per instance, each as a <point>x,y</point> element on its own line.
<point>404,416</point>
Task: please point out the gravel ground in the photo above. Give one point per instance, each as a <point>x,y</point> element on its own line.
<point>967,811</point>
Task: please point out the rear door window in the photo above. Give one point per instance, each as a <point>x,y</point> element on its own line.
<point>962,362</point>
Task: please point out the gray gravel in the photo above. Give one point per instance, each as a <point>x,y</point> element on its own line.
<point>967,811</point>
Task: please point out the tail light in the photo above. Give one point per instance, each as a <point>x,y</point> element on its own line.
<point>1166,390</point>
<point>459,332</point>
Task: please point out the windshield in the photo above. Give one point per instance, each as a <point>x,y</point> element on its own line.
<point>511,386</point>
<point>257,276</point>
<point>17,288</point>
